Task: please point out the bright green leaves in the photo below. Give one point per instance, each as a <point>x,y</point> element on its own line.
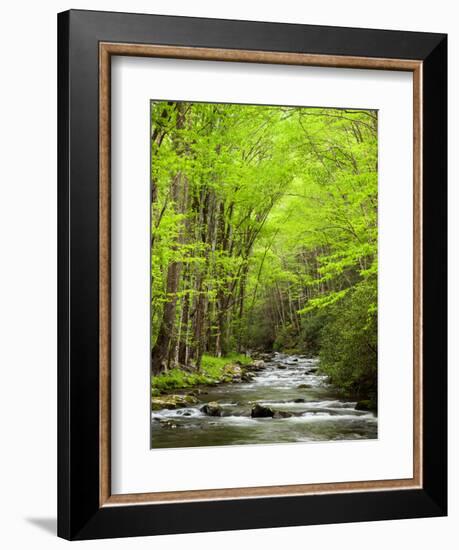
<point>262,217</point>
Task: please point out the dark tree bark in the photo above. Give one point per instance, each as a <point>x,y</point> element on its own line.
<point>161,353</point>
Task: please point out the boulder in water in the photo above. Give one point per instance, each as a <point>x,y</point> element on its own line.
<point>169,424</point>
<point>247,377</point>
<point>282,414</point>
<point>259,411</point>
<point>299,400</point>
<point>213,408</point>
<point>172,401</point>
<point>304,386</point>
<point>259,364</point>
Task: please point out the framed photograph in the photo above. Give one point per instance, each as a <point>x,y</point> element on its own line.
<point>252,275</point>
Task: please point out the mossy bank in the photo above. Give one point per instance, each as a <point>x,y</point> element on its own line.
<point>214,370</point>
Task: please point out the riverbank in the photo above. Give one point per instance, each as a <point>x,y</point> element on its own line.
<point>285,400</point>
<point>172,389</point>
<point>214,370</point>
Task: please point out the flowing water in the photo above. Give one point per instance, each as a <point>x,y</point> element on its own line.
<point>318,414</point>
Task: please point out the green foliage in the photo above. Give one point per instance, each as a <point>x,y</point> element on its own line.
<point>286,339</point>
<point>211,372</point>
<point>264,235</point>
<point>348,352</point>
<point>312,326</point>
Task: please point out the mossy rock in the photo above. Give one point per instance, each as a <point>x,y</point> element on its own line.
<point>172,402</point>
<point>190,399</point>
<point>232,370</point>
<point>213,408</point>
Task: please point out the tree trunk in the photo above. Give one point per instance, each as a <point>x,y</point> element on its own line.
<point>162,352</point>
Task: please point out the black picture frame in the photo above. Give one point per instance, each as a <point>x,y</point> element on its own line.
<point>80,515</point>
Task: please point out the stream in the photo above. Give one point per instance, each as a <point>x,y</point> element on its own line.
<point>288,383</point>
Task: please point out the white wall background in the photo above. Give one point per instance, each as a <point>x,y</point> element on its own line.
<point>28,270</point>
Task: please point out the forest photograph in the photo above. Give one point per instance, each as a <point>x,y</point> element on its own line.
<point>264,270</point>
